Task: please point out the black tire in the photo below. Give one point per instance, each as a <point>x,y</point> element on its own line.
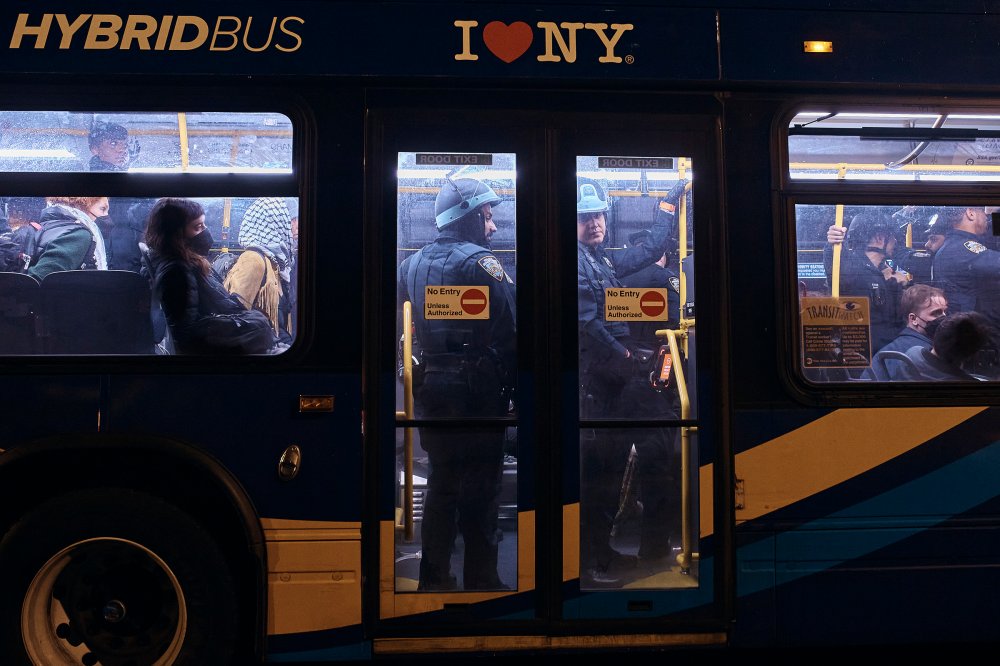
<point>127,577</point>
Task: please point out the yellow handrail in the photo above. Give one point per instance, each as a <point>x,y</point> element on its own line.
<point>687,554</point>
<point>407,413</point>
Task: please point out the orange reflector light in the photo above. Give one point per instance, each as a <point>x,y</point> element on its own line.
<point>817,47</point>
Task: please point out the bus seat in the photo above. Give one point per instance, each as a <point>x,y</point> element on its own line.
<point>96,312</point>
<point>18,306</point>
<point>879,368</point>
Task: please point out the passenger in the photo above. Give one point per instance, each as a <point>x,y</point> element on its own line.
<point>261,276</point>
<point>657,449</point>
<point>923,304</point>
<point>124,225</point>
<point>470,370</point>
<point>70,238</point>
<point>202,316</point>
<point>865,272</point>
<point>110,147</point>
<point>969,272</point>
<point>613,374</point>
<point>957,340</point>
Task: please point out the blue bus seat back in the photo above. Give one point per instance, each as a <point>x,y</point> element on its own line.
<point>96,312</point>
<point>19,295</point>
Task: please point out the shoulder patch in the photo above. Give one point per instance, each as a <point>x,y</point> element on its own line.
<point>974,246</point>
<point>492,266</point>
<point>675,284</point>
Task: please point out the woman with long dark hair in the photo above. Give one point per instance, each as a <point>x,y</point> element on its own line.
<point>202,317</point>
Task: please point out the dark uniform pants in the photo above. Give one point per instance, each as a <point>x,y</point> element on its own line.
<point>463,488</point>
<point>603,457</point>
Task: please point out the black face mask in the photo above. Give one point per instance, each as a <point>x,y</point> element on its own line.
<point>202,243</point>
<point>931,327</point>
<point>104,221</point>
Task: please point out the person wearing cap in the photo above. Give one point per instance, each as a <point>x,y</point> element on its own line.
<point>865,271</point>
<point>968,270</point>
<point>469,371</point>
<point>109,145</point>
<point>613,373</point>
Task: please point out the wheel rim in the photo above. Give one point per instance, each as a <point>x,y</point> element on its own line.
<point>104,601</point>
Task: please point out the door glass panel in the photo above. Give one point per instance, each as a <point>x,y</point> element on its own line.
<point>636,336</point>
<point>457,360</point>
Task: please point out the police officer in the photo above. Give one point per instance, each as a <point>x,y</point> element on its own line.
<point>865,271</point>
<point>969,272</point>
<point>470,367</point>
<point>613,374</point>
<point>658,449</point>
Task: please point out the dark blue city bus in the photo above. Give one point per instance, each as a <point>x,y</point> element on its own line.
<point>794,441</point>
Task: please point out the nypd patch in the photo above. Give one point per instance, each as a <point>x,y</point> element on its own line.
<point>975,246</point>
<point>675,284</point>
<point>492,266</point>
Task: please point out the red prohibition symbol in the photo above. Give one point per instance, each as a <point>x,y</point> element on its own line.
<point>473,301</point>
<point>652,304</point>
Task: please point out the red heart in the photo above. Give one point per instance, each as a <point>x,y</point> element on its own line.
<point>507,42</point>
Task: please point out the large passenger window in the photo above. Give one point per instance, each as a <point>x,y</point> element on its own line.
<point>899,283</point>
<point>84,273</point>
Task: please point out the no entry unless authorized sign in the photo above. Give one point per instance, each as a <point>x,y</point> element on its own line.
<point>456,303</point>
<point>623,304</point>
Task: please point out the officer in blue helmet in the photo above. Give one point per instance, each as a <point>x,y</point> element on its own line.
<point>469,371</point>
<point>614,373</point>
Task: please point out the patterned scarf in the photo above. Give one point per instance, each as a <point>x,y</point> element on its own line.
<point>268,226</point>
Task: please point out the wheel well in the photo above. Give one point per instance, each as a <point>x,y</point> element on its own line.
<point>172,472</point>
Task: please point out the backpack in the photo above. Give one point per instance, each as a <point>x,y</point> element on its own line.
<point>16,247</point>
<point>22,246</point>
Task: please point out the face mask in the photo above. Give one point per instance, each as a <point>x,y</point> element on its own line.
<point>103,221</point>
<point>202,243</point>
<point>931,327</point>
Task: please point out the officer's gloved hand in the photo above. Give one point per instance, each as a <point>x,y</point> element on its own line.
<point>671,202</point>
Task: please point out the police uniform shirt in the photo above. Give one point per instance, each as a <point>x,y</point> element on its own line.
<point>452,261</point>
<point>969,273</point>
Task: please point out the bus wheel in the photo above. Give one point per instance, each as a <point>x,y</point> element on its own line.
<point>113,577</point>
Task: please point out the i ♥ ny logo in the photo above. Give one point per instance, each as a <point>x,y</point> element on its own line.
<point>508,42</point>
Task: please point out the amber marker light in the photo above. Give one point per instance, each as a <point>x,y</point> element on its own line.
<point>817,47</point>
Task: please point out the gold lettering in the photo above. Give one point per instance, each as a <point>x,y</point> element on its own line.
<point>229,33</point>
<point>103,33</point>
<point>466,53</point>
<point>552,34</point>
<point>298,40</point>
<point>22,29</point>
<point>177,42</point>
<point>69,29</point>
<point>138,27</point>
<point>161,38</point>
<point>609,44</point>
<point>246,33</point>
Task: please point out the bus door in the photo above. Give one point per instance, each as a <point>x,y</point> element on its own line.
<point>540,453</point>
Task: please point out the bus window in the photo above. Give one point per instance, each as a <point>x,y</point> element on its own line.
<point>222,142</point>
<point>908,288</point>
<point>636,335</point>
<point>457,332</point>
<point>111,302</point>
